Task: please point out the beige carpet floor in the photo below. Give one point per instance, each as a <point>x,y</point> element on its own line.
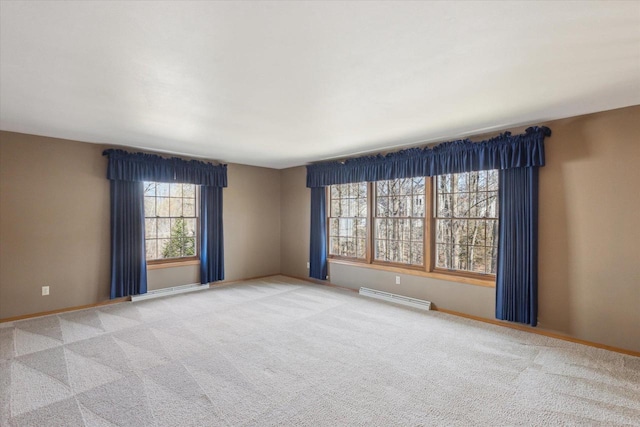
<point>279,351</point>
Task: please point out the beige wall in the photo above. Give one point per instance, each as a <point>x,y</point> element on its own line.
<point>54,230</point>
<point>295,214</point>
<point>589,271</point>
<point>251,222</point>
<point>54,225</point>
<point>589,266</point>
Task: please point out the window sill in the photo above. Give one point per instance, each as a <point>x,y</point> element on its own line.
<point>185,263</point>
<point>488,283</point>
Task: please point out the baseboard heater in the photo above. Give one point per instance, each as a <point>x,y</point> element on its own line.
<point>399,299</point>
<point>169,291</point>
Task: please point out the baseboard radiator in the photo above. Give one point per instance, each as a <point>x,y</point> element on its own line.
<point>169,291</point>
<point>399,299</point>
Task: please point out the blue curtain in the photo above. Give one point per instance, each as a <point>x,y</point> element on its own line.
<point>150,167</point>
<point>517,276</point>
<point>318,249</point>
<point>502,152</point>
<point>518,158</point>
<point>127,171</point>
<point>211,236</point>
<point>128,261</point>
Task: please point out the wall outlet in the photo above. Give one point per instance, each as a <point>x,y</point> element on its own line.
<point>308,265</point>
<point>397,280</point>
<point>45,290</point>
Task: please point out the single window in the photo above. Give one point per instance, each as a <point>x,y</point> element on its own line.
<point>399,221</point>
<point>348,212</point>
<point>466,222</point>
<point>171,220</point>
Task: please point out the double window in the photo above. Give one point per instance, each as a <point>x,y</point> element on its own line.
<point>445,224</point>
<point>171,221</point>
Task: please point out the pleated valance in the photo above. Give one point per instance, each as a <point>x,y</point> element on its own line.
<point>504,151</point>
<point>125,166</point>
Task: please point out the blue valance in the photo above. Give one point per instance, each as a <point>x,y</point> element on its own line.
<point>505,151</point>
<point>125,166</point>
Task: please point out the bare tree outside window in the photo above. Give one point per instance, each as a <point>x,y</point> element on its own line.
<point>466,221</point>
<point>171,220</point>
<point>399,221</point>
<point>348,220</point>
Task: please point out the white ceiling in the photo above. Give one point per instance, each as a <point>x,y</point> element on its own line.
<point>280,84</point>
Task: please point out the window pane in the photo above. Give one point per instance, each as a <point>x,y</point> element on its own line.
<point>445,184</point>
<point>404,226</point>
<point>346,227</point>
<point>461,184</point>
<point>444,231</point>
<point>382,188</point>
<point>334,246</point>
<point>478,205</point>
<point>361,227</point>
<point>344,208</point>
<point>162,206</point>
<point>162,190</point>
<point>150,228</point>
<point>475,230</point>
<point>381,250</point>
<point>164,227</point>
<point>417,230</point>
<point>361,190</point>
<point>492,204</point>
<point>418,206</point>
<point>460,257</point>
<point>476,259</point>
<point>361,249</point>
<point>353,207</point>
<point>459,231</point>
<point>406,186</point>
<point>492,256</point>
<point>149,206</point>
<point>461,205</point>
<point>418,185</point>
<point>149,188</point>
<point>492,232</point>
<point>175,190</point>
<point>380,228</point>
<point>334,227</point>
<point>189,190</point>
<point>394,206</point>
<point>151,249</point>
<point>190,227</point>
<point>164,249</point>
<point>189,207</point>
<point>362,206</point>
<point>482,181</point>
<point>492,180</point>
<point>175,206</point>
<point>382,204</point>
<point>335,192</point>
<point>336,208</point>
<point>444,256</point>
<point>393,251</point>
<point>189,246</point>
<point>416,253</point>
<point>445,205</point>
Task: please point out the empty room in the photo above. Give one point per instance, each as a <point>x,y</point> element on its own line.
<point>323,213</point>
